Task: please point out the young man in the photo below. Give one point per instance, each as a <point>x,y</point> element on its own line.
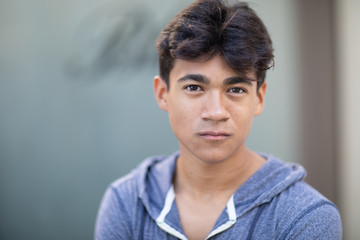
<point>213,59</point>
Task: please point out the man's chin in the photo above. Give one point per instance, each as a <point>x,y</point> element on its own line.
<point>213,158</point>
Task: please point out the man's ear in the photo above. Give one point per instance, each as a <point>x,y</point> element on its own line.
<point>260,99</point>
<point>161,92</point>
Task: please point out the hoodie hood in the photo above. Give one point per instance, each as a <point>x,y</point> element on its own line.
<point>155,179</point>
<point>270,180</point>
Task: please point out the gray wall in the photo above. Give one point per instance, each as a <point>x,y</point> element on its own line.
<point>77,109</point>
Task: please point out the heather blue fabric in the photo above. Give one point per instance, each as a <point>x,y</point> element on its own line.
<point>275,203</point>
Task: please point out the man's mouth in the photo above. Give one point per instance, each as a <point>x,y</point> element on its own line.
<point>214,135</point>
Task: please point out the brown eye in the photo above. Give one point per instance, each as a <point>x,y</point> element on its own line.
<point>193,88</point>
<point>237,90</point>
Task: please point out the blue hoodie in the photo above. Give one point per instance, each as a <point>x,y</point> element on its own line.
<point>274,203</point>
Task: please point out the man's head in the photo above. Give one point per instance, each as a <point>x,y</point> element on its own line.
<point>211,27</point>
<point>211,54</point>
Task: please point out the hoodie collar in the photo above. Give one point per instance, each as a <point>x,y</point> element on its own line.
<point>266,183</point>
<point>154,180</point>
<point>156,175</point>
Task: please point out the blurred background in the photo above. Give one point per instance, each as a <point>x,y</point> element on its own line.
<point>77,109</point>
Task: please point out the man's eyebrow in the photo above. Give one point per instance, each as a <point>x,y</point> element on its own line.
<point>235,80</point>
<point>195,77</point>
<point>228,81</point>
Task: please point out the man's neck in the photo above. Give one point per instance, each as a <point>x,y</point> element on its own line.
<point>202,189</point>
<point>202,179</point>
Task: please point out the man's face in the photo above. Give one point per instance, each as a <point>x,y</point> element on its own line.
<point>211,108</point>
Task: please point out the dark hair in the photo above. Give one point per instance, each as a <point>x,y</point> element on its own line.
<point>210,27</point>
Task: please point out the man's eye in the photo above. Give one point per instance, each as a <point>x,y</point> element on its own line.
<point>237,90</point>
<point>193,88</point>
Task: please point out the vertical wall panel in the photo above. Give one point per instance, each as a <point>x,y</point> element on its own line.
<point>317,94</point>
<point>348,85</point>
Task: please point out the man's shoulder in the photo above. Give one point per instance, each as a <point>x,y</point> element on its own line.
<point>292,206</point>
<point>302,210</point>
<point>123,203</point>
<point>301,196</point>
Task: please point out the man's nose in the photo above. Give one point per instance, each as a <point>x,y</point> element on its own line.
<point>214,108</point>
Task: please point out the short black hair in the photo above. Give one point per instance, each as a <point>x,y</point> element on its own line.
<point>210,27</point>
